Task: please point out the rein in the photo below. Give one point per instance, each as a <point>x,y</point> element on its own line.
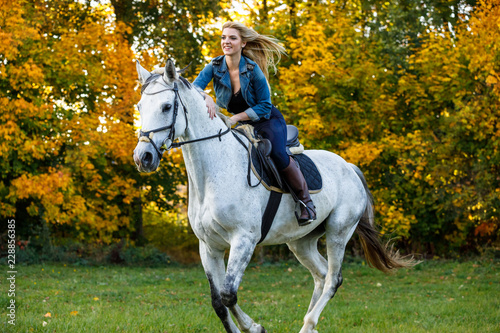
<point>147,136</point>
<point>249,170</point>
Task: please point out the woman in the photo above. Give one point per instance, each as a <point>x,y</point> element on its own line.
<point>241,86</point>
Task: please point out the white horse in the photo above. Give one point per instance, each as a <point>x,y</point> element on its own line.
<point>225,213</point>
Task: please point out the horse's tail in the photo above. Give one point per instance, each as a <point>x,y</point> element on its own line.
<point>382,257</point>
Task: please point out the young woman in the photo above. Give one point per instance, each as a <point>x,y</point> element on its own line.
<point>241,86</point>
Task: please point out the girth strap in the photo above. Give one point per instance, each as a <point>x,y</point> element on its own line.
<point>274,200</point>
<point>269,214</point>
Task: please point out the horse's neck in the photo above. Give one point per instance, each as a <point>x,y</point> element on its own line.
<point>212,158</point>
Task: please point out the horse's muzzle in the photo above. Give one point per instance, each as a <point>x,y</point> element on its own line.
<point>145,160</point>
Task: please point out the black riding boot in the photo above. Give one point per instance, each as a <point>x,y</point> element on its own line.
<point>295,179</point>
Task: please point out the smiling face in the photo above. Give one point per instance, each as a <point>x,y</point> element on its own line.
<point>231,42</point>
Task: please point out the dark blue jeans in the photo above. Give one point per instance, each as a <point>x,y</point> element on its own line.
<point>274,129</point>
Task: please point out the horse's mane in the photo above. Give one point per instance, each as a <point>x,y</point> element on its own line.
<point>222,116</point>
<point>161,70</point>
<point>249,132</point>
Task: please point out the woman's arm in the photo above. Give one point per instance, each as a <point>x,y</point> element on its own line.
<point>263,106</point>
<point>243,116</point>
<point>204,78</point>
<point>212,108</point>
<point>201,83</point>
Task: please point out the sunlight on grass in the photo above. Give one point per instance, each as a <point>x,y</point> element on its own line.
<point>436,296</point>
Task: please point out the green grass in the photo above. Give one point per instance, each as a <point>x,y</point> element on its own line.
<point>436,296</point>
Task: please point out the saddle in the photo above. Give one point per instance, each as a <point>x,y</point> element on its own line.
<point>265,170</point>
<point>263,167</point>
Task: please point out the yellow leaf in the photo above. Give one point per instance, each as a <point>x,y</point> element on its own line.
<point>73,313</point>
<point>48,315</point>
<point>491,80</point>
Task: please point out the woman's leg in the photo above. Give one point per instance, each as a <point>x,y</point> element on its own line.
<point>275,131</point>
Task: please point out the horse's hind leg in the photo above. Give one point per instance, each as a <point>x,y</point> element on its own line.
<point>213,263</point>
<point>336,240</point>
<point>306,251</point>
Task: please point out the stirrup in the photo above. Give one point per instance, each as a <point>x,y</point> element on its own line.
<point>304,222</point>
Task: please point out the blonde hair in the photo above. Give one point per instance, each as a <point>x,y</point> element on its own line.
<point>259,48</point>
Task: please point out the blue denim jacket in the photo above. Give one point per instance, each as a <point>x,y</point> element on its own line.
<point>253,86</point>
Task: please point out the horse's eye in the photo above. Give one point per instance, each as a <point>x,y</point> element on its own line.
<point>166,107</point>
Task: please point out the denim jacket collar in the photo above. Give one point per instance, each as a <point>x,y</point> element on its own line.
<point>254,85</point>
<point>222,68</point>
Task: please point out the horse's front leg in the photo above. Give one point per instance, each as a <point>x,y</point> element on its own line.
<point>213,263</point>
<point>239,257</point>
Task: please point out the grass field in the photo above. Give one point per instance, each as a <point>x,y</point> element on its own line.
<point>436,296</point>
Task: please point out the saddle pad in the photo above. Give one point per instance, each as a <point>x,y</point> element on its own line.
<point>307,166</point>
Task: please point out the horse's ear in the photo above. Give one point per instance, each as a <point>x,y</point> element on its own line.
<point>170,75</point>
<point>144,74</point>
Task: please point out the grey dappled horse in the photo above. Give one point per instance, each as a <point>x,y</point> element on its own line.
<point>225,213</point>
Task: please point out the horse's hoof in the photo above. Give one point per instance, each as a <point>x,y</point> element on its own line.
<point>262,330</point>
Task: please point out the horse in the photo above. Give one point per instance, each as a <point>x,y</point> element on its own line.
<point>225,212</point>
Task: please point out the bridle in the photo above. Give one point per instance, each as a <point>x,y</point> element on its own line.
<point>147,136</point>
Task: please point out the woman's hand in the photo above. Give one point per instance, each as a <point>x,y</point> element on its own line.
<point>232,121</point>
<point>238,117</point>
<point>211,106</point>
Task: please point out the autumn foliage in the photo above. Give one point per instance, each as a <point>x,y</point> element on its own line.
<point>425,130</point>
<point>67,94</point>
<point>413,101</point>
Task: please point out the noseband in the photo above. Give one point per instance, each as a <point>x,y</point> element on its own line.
<point>147,136</point>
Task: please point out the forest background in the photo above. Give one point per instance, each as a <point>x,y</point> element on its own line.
<point>408,90</point>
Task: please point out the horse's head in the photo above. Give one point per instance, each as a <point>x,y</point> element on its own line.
<point>163,115</point>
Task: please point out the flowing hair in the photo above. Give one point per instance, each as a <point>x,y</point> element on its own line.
<point>259,48</point>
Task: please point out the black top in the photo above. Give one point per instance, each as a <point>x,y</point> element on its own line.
<point>237,104</point>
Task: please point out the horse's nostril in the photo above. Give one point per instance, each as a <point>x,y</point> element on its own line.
<point>147,159</point>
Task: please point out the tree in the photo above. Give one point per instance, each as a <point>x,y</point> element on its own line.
<point>168,29</point>
<point>67,97</point>
<point>452,90</point>
<point>415,124</point>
